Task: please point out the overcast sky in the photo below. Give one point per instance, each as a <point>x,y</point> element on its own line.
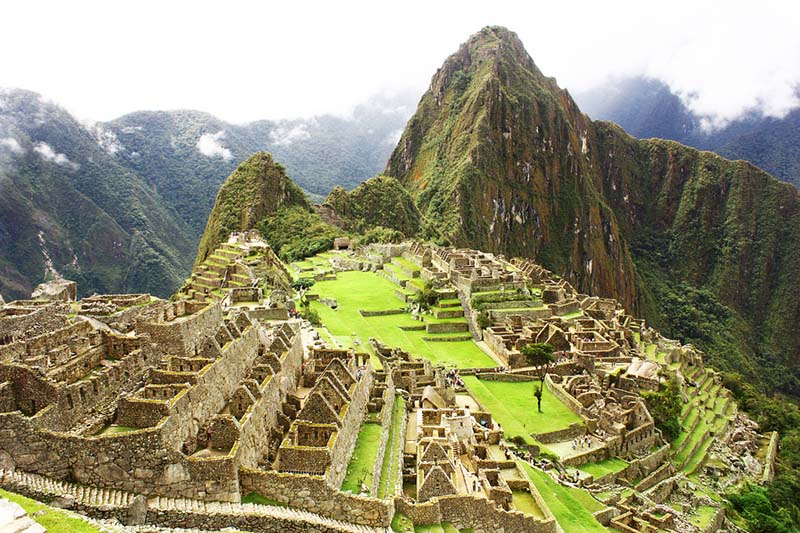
<point>250,60</point>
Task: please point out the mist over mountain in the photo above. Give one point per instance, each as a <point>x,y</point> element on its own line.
<point>68,207</point>
<point>186,155</point>
<point>120,206</point>
<point>648,108</point>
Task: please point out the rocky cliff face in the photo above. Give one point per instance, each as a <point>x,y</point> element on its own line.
<point>498,157</point>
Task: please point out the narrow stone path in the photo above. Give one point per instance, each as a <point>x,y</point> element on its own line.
<point>108,500</point>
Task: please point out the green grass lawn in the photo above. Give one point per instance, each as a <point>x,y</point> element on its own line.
<point>573,315</point>
<point>524,502</point>
<point>406,263</point>
<point>602,468</point>
<point>258,499</point>
<point>571,507</point>
<point>54,520</point>
<point>363,459</point>
<point>394,451</point>
<point>513,406</point>
<point>365,290</point>
<point>702,516</point>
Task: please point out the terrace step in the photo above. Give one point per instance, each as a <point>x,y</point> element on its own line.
<point>111,499</point>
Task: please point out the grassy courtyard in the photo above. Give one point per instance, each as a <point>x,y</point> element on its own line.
<point>611,465</point>
<point>363,459</point>
<point>355,290</point>
<point>571,507</point>
<point>513,406</point>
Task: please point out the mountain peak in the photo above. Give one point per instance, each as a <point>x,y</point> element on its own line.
<point>257,188</point>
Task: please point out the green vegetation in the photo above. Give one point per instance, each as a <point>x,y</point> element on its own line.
<point>774,507</point>
<point>254,192</point>
<point>102,225</point>
<point>539,355</point>
<point>258,499</point>
<point>524,502</point>
<point>54,520</point>
<point>611,465</point>
<point>363,459</point>
<point>394,451</point>
<point>379,201</point>
<point>295,232</point>
<point>665,408</point>
<point>571,507</point>
<point>370,291</point>
<point>512,405</point>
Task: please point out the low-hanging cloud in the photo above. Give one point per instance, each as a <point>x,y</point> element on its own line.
<point>210,146</point>
<point>12,145</point>
<point>286,135</point>
<point>47,153</point>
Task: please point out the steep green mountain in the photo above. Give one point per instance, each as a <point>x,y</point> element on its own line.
<point>648,108</point>
<point>67,207</point>
<point>259,195</point>
<point>379,201</point>
<point>498,157</point>
<point>187,154</point>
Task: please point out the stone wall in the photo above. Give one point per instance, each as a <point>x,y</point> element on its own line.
<point>182,335</point>
<point>255,424</point>
<point>447,327</point>
<point>216,383</point>
<point>314,494</point>
<point>769,460</point>
<point>466,511</point>
<point>348,432</point>
<point>559,392</point>
<point>21,320</point>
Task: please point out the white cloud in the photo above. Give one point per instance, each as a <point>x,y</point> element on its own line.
<point>106,139</point>
<point>731,57</point>
<point>209,145</point>
<point>12,144</point>
<point>285,135</point>
<point>47,153</point>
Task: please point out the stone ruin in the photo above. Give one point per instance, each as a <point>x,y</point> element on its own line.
<point>169,412</point>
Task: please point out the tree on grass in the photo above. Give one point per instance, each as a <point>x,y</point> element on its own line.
<point>665,408</point>
<point>539,355</point>
<point>301,285</point>
<point>427,297</point>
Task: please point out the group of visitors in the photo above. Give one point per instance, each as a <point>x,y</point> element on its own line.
<point>581,443</point>
<point>453,379</point>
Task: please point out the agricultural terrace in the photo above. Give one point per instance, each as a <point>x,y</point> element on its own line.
<point>571,507</point>
<point>513,406</point>
<point>355,290</point>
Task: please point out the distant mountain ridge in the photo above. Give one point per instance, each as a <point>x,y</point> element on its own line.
<point>67,207</point>
<point>648,108</point>
<point>186,155</point>
<point>119,206</point>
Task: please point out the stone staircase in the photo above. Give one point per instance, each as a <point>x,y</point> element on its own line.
<point>105,502</point>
